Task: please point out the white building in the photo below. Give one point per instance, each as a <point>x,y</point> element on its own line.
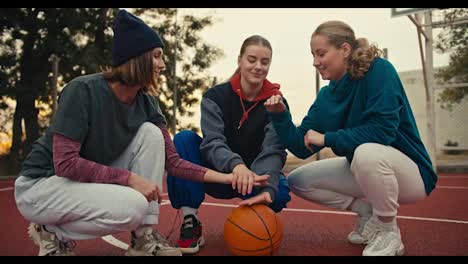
<point>449,125</point>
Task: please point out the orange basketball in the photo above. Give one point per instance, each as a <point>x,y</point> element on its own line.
<point>253,231</point>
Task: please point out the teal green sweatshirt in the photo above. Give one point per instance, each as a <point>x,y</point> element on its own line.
<point>373,109</point>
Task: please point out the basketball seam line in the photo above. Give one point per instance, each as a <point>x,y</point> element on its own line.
<point>267,229</point>
<point>259,238</point>
<point>254,250</point>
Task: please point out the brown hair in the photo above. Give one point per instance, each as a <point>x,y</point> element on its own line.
<point>362,53</point>
<point>252,40</point>
<point>136,71</point>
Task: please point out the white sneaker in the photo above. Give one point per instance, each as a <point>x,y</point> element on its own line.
<point>364,214</point>
<point>385,243</point>
<point>152,244</point>
<point>48,243</point>
<point>369,231</point>
<point>355,237</point>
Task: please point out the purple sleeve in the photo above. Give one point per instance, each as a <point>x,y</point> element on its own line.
<point>179,167</point>
<point>69,164</point>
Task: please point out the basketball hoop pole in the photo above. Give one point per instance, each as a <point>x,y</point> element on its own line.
<point>428,75</point>
<point>417,15</point>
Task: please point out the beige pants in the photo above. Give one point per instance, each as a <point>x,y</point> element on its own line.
<point>381,174</point>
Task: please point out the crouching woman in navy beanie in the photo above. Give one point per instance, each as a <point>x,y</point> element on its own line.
<point>98,170</point>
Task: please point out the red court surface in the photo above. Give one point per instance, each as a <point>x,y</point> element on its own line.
<point>436,226</point>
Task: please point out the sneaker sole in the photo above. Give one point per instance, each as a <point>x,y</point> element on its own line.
<point>136,253</point>
<point>400,251</point>
<point>194,250</point>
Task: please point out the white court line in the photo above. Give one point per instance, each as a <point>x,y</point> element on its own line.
<point>117,243</point>
<point>454,177</point>
<point>451,187</point>
<point>165,194</point>
<point>399,216</point>
<point>11,188</point>
<point>350,213</point>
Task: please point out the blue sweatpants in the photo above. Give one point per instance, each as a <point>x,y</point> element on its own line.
<point>188,193</point>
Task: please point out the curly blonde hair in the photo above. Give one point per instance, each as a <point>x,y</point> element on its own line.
<point>362,53</point>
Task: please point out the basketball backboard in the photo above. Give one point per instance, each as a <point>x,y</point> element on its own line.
<point>396,12</point>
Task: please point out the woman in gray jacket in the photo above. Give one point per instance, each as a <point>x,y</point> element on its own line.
<point>238,138</point>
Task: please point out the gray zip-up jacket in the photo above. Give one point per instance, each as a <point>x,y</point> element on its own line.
<point>254,144</point>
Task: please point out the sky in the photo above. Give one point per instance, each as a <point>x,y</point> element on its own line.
<point>289,31</point>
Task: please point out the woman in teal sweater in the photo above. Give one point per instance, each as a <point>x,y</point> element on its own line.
<point>364,116</point>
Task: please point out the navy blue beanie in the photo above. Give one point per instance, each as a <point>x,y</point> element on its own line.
<point>132,37</point>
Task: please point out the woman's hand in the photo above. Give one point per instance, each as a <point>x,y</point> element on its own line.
<point>275,104</point>
<point>262,198</point>
<point>242,179</point>
<point>313,138</point>
<point>148,189</point>
<point>227,178</point>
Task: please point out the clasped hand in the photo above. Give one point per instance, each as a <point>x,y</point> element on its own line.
<point>313,138</point>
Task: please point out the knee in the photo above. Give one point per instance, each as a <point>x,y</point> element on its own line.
<point>367,160</point>
<point>305,186</point>
<point>297,180</point>
<point>293,180</point>
<point>185,136</point>
<point>295,183</point>
<point>151,134</point>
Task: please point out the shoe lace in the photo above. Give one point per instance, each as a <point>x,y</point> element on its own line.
<point>67,246</point>
<point>188,223</point>
<point>380,238</point>
<point>159,239</point>
<point>191,228</point>
<point>152,242</point>
<point>360,224</point>
<point>59,247</point>
<point>370,230</point>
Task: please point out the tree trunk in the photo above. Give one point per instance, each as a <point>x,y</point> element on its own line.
<point>16,150</point>
<point>26,94</point>
<point>30,113</point>
<point>25,110</point>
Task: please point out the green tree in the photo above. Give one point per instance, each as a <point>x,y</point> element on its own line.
<point>194,57</point>
<point>454,39</point>
<point>29,37</point>
<point>81,38</point>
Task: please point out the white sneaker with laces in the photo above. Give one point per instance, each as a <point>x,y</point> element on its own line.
<point>385,243</point>
<point>364,213</point>
<point>48,243</point>
<point>370,229</point>
<point>355,237</point>
<point>151,244</point>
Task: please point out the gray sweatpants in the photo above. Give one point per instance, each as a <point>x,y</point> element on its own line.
<point>75,210</point>
<point>381,174</point>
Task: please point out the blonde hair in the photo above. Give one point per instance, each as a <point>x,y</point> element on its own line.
<point>252,40</point>
<point>136,71</point>
<point>362,53</point>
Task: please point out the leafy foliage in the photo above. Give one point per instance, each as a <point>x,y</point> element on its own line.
<point>454,39</point>
<point>82,39</point>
